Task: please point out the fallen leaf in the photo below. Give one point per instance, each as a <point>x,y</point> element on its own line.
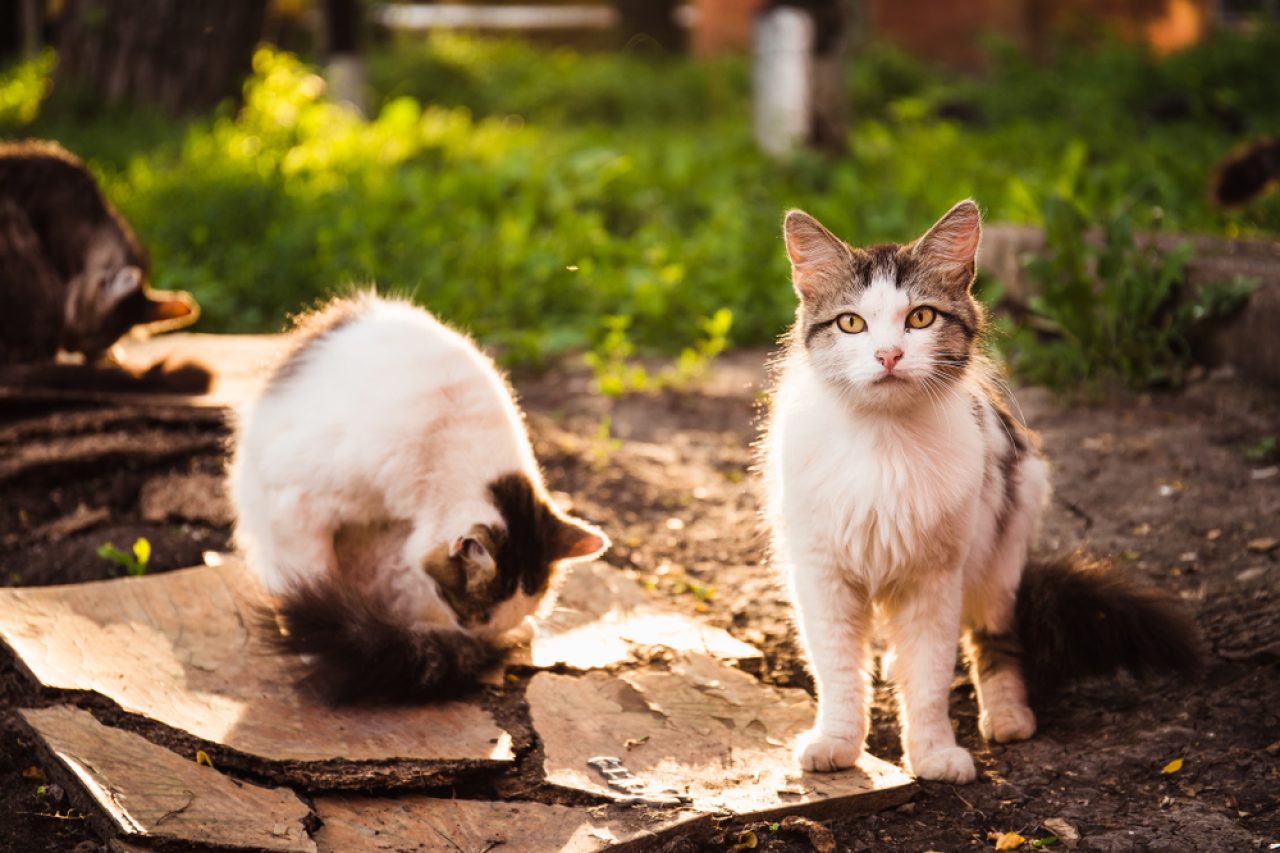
<point>34,773</point>
<point>746,841</point>
<point>1172,767</point>
<point>635,741</point>
<point>1064,830</point>
<point>1010,841</point>
<point>1262,545</point>
<point>1213,535</point>
<point>202,757</point>
<point>820,835</point>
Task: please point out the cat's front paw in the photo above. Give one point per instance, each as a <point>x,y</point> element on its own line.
<point>823,753</point>
<point>949,764</point>
<point>1004,725</point>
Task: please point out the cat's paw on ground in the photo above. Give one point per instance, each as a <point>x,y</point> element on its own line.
<point>1004,725</point>
<point>823,753</point>
<point>949,764</point>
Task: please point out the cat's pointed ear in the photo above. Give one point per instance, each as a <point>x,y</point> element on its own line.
<point>814,251</point>
<point>577,540</point>
<point>172,308</point>
<point>473,551</point>
<point>115,288</point>
<point>951,246</point>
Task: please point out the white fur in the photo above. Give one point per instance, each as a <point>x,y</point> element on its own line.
<point>882,513</point>
<point>393,416</point>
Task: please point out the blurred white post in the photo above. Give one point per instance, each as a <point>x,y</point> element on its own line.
<point>783,79</point>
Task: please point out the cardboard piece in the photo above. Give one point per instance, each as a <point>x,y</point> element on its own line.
<point>603,618</point>
<point>139,790</point>
<point>182,648</point>
<point>354,824</point>
<point>702,733</point>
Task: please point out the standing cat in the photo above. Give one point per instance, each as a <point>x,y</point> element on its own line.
<point>901,491</point>
<point>72,273</point>
<point>387,495</point>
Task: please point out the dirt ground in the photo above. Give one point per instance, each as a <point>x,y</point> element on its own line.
<point>1179,487</point>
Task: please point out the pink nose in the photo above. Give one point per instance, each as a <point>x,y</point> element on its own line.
<point>889,356</point>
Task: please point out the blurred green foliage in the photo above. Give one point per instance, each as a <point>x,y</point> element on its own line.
<point>1114,303</point>
<point>552,200</point>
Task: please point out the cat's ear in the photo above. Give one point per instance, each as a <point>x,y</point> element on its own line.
<point>951,246</point>
<point>576,540</point>
<point>814,251</point>
<point>115,288</point>
<point>473,551</point>
<point>173,308</point>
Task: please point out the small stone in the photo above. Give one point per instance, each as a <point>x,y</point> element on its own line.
<point>1251,574</point>
<point>1213,535</point>
<point>1262,545</point>
<point>1264,473</point>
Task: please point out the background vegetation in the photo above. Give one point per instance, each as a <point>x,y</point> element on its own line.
<point>552,200</point>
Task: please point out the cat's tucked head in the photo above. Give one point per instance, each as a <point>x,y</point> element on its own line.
<point>517,558</point>
<point>890,325</point>
<point>110,296</point>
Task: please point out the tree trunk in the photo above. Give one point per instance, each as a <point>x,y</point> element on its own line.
<point>803,68</point>
<point>182,56</point>
<point>344,61</point>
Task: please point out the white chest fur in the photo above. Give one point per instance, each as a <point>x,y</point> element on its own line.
<point>879,494</point>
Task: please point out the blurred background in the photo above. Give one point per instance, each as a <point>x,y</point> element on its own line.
<point>609,177</point>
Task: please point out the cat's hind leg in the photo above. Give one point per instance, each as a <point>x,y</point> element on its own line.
<point>923,627</point>
<point>991,643</point>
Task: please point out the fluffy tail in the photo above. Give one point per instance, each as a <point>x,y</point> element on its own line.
<point>1076,618</point>
<point>353,652</point>
<point>161,378</point>
<point>1245,174</point>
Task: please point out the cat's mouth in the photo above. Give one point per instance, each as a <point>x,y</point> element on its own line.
<point>888,379</point>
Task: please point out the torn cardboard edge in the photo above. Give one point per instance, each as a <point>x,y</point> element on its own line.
<point>132,790</point>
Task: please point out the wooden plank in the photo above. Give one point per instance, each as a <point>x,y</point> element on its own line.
<point>603,618</point>
<point>182,649</point>
<point>525,18</point>
<point>422,824</point>
<point>139,791</point>
<point>702,733</point>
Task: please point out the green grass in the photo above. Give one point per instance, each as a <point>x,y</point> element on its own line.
<point>537,196</point>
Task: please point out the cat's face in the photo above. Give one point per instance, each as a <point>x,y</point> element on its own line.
<point>891,325</point>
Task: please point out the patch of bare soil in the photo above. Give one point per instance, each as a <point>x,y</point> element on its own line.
<point>1175,486</point>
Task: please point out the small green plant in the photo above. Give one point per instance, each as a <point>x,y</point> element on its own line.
<point>134,563</point>
<point>1112,304</point>
<point>617,373</point>
<point>1262,451</point>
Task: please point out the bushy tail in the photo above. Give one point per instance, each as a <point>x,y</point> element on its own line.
<point>1247,173</point>
<point>353,652</point>
<point>161,378</point>
<point>1078,618</point>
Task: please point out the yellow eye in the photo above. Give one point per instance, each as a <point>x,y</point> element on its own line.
<point>921,317</point>
<point>851,323</point>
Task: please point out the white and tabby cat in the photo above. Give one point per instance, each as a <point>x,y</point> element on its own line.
<point>903,495</point>
<point>387,495</point>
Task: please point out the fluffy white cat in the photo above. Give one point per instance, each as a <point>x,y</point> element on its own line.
<point>387,495</point>
<point>903,495</point>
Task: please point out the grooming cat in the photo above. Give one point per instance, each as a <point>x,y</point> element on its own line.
<point>72,273</point>
<point>387,495</point>
<point>903,493</point>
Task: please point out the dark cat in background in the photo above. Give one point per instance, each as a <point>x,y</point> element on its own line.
<point>73,276</point>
